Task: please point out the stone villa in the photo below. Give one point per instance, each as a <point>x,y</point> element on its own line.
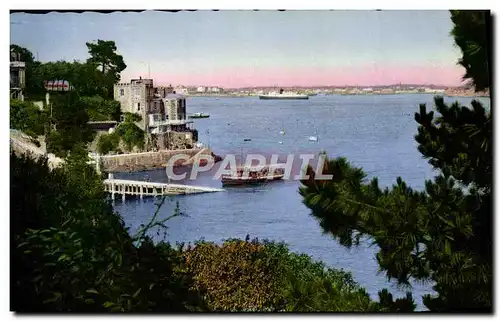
<point>163,113</point>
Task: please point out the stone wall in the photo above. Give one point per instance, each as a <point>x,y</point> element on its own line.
<point>176,140</point>
<point>141,161</point>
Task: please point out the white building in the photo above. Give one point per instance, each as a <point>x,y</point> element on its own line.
<point>181,90</point>
<point>215,89</point>
<point>201,89</point>
<point>434,91</point>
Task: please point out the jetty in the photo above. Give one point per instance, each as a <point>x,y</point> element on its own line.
<point>143,188</point>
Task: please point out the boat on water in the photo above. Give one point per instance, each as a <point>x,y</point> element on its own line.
<point>314,138</point>
<point>282,131</point>
<point>199,115</point>
<point>283,95</point>
<point>246,175</point>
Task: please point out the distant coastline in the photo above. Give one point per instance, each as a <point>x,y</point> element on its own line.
<point>347,90</point>
<point>447,94</point>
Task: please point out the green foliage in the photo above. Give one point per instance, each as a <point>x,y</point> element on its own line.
<point>85,77</point>
<point>72,253</point>
<point>108,143</point>
<point>251,275</point>
<point>443,234</point>
<point>131,117</point>
<point>127,132</point>
<point>428,236</point>
<point>234,276</point>
<point>27,117</point>
<point>31,66</point>
<point>103,56</point>
<point>100,109</point>
<point>309,286</point>
<point>472,32</point>
<point>387,304</point>
<point>70,119</point>
<point>131,135</point>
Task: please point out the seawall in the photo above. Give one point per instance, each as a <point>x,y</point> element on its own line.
<point>143,161</point>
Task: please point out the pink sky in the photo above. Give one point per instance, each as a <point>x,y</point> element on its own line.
<point>333,76</point>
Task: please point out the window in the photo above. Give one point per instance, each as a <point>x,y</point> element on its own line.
<point>137,92</point>
<point>122,92</point>
<point>138,106</point>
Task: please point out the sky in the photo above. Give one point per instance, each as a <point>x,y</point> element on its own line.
<point>257,48</point>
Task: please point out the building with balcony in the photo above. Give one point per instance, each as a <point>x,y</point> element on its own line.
<point>171,128</point>
<point>17,76</point>
<point>163,113</point>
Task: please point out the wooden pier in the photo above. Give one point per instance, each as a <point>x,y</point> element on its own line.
<point>141,189</point>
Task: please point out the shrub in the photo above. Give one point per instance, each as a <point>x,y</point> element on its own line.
<point>265,276</point>
<point>27,117</point>
<point>234,276</point>
<point>72,253</point>
<point>108,143</point>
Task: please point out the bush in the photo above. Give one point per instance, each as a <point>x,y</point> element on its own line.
<point>100,109</point>
<point>234,277</point>
<point>265,276</point>
<point>27,117</point>
<point>72,253</point>
<point>108,143</point>
<point>131,135</point>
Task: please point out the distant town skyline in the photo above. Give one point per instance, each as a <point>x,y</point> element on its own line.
<point>234,49</point>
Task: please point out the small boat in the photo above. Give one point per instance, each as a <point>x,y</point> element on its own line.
<point>247,139</point>
<point>280,142</point>
<point>282,131</point>
<point>199,115</point>
<point>283,95</point>
<point>314,138</point>
<point>252,175</point>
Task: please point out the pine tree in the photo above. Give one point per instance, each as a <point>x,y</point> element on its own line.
<point>443,234</point>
